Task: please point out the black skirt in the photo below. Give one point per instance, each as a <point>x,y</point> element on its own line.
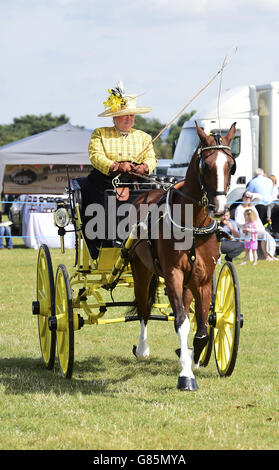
<point>93,191</point>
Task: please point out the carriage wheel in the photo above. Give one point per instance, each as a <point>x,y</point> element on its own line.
<point>45,306</point>
<point>206,352</point>
<point>226,320</point>
<point>64,322</point>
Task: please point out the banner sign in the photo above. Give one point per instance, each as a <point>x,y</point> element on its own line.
<point>41,179</point>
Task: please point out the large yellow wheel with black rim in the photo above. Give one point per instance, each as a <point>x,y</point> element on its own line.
<point>227,320</point>
<point>64,322</point>
<point>44,306</point>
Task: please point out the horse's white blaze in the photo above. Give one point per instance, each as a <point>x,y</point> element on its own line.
<point>143,348</point>
<point>185,358</point>
<point>220,164</point>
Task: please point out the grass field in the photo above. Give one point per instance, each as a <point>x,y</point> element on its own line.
<point>114,401</point>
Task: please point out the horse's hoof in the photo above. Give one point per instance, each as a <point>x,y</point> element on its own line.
<point>140,353</point>
<point>187,383</point>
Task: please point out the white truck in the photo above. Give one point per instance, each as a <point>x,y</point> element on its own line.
<point>255,109</point>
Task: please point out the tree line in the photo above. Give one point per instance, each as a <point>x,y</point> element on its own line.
<point>31,124</point>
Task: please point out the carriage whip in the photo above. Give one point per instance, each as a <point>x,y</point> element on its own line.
<point>226,61</point>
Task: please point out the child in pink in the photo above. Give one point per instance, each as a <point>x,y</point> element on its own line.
<point>250,230</point>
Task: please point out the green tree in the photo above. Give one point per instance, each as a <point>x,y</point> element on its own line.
<point>29,125</point>
<point>153,127</point>
<point>175,129</point>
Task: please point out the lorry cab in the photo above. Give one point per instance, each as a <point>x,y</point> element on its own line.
<point>237,105</point>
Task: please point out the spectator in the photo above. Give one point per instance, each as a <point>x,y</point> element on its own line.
<point>263,186</point>
<point>275,187</point>
<point>268,243</point>
<point>231,248</point>
<point>251,230</point>
<point>5,232</point>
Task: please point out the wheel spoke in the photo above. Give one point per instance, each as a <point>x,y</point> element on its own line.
<point>228,335</point>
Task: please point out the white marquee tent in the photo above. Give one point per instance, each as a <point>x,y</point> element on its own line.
<point>65,144</point>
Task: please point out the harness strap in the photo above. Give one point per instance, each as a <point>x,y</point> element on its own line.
<point>186,196</point>
<point>191,258</point>
<point>197,232</point>
<point>214,147</point>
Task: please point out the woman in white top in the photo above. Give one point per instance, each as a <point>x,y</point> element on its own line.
<point>268,244</point>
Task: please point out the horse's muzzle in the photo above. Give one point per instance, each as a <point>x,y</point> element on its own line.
<point>217,209</point>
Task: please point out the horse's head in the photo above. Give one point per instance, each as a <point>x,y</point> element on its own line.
<point>215,165</point>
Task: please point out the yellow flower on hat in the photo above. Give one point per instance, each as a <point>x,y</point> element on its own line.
<point>115,101</point>
<point>119,103</point>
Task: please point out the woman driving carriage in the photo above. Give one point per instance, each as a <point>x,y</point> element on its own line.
<point>116,150</point>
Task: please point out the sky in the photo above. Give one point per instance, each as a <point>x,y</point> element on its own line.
<point>61,56</point>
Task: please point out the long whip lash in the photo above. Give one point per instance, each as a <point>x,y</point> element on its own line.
<point>220,71</point>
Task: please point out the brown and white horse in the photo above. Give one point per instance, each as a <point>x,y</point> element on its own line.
<point>188,273</point>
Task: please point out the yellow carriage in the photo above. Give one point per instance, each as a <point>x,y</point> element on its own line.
<point>69,301</point>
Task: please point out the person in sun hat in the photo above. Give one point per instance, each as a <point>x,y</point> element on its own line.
<point>117,150</point>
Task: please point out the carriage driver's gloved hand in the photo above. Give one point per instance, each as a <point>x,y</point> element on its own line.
<point>114,168</point>
<point>141,169</point>
<point>125,167</point>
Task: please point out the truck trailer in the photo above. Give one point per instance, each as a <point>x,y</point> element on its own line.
<point>255,109</point>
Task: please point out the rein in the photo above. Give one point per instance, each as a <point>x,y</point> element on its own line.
<point>197,231</point>
<point>152,180</point>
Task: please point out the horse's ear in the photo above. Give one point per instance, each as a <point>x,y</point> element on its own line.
<point>230,135</point>
<point>202,135</point>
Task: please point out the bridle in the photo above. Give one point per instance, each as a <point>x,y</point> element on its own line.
<point>206,195</point>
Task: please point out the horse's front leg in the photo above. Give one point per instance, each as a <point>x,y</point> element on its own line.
<point>174,286</point>
<point>144,287</point>
<point>202,305</point>
<point>142,350</point>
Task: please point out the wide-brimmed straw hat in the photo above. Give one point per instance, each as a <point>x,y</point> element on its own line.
<point>120,104</point>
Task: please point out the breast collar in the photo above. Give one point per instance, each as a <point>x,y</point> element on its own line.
<point>167,215</point>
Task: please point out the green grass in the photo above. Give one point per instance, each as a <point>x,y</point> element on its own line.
<point>114,401</point>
